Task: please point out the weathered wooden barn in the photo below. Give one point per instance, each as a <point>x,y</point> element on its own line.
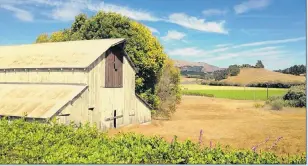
<point>81,81</point>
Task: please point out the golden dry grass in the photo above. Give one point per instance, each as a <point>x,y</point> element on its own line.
<point>251,75</point>
<point>230,122</point>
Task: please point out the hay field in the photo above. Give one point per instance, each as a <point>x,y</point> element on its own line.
<point>251,75</point>
<point>230,122</point>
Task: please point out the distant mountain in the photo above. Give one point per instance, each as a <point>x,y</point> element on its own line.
<point>195,66</point>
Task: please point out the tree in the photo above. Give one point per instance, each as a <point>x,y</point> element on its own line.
<point>233,70</point>
<point>42,38</point>
<point>259,64</point>
<point>141,46</point>
<point>220,74</point>
<point>168,89</point>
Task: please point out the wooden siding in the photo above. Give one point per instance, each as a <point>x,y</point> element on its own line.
<point>77,111</point>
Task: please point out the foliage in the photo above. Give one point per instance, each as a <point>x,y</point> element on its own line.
<point>295,70</point>
<point>277,104</point>
<point>220,74</point>
<point>142,47</point>
<point>275,84</point>
<point>296,96</point>
<point>51,143</point>
<point>246,66</point>
<point>42,38</point>
<point>168,89</point>
<point>233,70</point>
<point>259,64</point>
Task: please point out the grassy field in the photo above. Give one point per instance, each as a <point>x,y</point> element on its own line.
<point>229,92</point>
<point>251,75</point>
<point>231,122</point>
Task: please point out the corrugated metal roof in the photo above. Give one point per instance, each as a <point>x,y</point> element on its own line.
<point>72,54</point>
<point>37,101</point>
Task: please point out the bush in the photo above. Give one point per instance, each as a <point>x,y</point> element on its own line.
<point>296,96</point>
<point>51,143</point>
<point>277,104</point>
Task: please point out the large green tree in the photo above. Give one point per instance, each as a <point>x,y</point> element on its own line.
<point>142,47</point>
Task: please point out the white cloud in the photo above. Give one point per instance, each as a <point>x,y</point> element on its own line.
<point>196,52</point>
<point>190,51</point>
<point>21,14</point>
<point>211,12</point>
<point>259,52</point>
<point>251,5</point>
<point>222,45</point>
<point>198,24</point>
<point>67,11</point>
<point>128,12</point>
<point>153,30</point>
<point>174,35</point>
<point>268,42</point>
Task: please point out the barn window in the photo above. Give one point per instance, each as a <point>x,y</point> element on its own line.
<point>114,68</point>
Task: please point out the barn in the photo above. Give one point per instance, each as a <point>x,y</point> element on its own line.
<point>76,81</point>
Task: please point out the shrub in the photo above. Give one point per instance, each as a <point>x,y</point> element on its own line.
<point>277,104</point>
<point>296,96</point>
<point>51,143</point>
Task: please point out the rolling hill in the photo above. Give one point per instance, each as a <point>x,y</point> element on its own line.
<point>195,66</point>
<point>251,75</point>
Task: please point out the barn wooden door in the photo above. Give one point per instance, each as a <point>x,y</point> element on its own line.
<point>114,69</point>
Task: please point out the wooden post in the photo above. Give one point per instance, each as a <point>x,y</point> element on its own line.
<point>267,92</point>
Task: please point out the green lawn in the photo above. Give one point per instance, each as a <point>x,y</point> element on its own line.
<point>260,94</point>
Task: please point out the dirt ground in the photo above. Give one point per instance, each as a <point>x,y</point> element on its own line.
<point>231,122</point>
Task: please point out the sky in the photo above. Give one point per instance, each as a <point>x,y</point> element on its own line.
<point>218,32</point>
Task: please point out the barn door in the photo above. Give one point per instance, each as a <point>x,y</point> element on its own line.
<point>114,69</point>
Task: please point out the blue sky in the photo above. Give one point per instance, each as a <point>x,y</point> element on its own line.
<point>218,32</point>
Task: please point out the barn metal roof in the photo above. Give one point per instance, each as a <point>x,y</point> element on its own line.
<point>36,100</point>
<point>70,54</point>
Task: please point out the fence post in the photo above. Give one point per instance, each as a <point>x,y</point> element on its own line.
<point>267,92</point>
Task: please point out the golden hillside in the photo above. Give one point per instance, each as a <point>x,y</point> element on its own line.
<point>251,75</point>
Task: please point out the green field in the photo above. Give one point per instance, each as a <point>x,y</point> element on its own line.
<point>239,93</point>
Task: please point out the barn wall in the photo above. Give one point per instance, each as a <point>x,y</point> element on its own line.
<point>95,82</point>
<point>144,113</point>
<point>44,75</point>
<point>78,110</point>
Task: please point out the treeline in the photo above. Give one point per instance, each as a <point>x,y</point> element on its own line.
<point>234,70</point>
<point>269,84</point>
<point>294,70</point>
